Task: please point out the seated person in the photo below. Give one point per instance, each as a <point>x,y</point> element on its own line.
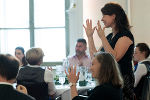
<point>141,53</point>
<point>80,58</point>
<point>9,67</point>
<point>38,81</point>
<point>19,53</point>
<point>105,69</point>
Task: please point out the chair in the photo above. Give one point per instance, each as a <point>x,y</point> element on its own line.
<point>38,90</point>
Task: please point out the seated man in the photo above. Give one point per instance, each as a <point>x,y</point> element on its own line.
<point>141,53</point>
<point>80,58</point>
<point>8,71</point>
<point>38,81</point>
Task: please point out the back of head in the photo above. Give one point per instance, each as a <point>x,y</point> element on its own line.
<point>121,19</point>
<point>9,66</point>
<point>34,56</point>
<point>109,71</point>
<point>143,47</point>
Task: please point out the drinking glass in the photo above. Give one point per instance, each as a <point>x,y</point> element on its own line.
<point>60,72</point>
<point>83,70</point>
<point>89,75</point>
<point>62,79</point>
<point>66,64</point>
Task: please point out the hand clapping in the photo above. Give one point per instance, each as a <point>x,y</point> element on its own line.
<point>90,31</point>
<point>99,29</point>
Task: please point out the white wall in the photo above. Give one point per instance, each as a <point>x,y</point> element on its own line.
<point>140,20</point>
<point>76,23</point>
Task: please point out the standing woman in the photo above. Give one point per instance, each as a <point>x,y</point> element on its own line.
<point>19,53</point>
<point>120,43</point>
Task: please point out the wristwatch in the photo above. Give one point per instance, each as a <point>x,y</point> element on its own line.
<point>71,84</point>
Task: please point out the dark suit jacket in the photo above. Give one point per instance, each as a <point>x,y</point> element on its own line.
<point>7,92</point>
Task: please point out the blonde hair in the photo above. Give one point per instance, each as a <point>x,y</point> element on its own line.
<point>34,56</point>
<point>109,70</point>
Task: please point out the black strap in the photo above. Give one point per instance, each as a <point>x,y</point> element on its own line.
<point>147,64</point>
<point>146,86</point>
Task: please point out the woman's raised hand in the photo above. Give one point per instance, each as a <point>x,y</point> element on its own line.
<point>72,77</point>
<point>99,29</point>
<point>88,28</point>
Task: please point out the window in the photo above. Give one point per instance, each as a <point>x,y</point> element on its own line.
<point>34,23</point>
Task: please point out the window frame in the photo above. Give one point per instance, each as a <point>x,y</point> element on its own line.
<point>32,29</point>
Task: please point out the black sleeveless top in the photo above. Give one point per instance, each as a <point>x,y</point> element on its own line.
<point>125,62</point>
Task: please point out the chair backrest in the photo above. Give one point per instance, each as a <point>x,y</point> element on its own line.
<point>38,90</point>
<point>146,85</point>
<point>33,79</point>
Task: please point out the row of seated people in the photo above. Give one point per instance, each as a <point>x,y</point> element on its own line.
<point>35,79</point>
<point>141,52</point>
<point>9,64</point>
<point>32,76</point>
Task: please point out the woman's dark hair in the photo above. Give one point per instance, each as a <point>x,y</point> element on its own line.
<point>109,71</point>
<point>143,47</point>
<point>121,19</point>
<point>24,62</point>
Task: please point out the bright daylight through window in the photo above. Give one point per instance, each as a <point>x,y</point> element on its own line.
<point>33,23</point>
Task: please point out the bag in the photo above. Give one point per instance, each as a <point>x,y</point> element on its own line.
<point>146,86</point>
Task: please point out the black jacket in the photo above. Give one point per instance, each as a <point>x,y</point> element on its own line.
<point>7,92</point>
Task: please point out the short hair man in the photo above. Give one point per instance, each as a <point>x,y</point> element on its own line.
<point>8,71</point>
<point>80,58</point>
